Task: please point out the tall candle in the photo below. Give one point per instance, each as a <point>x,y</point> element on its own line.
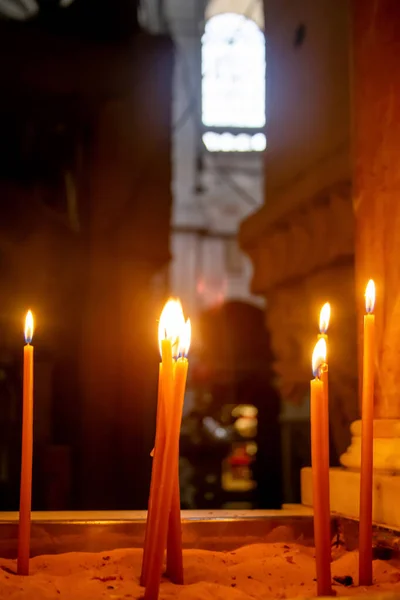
<point>324,321</point>
<point>157,454</point>
<point>170,461</point>
<point>159,498</point>
<point>365,534</point>
<point>321,505</point>
<point>24,530</point>
<point>174,540</point>
<point>168,330</point>
<point>167,482</point>
<point>163,529</point>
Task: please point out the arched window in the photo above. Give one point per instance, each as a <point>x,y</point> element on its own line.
<point>233,84</point>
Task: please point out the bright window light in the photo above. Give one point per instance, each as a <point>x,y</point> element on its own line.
<point>258,142</point>
<point>233,73</point>
<point>227,142</point>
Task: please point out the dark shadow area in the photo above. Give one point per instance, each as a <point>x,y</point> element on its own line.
<point>231,435</point>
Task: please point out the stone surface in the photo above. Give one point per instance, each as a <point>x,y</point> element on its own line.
<point>111,143</point>
<point>386,446</point>
<point>301,242</point>
<point>302,260</point>
<point>376,136</point>
<point>312,236</point>
<point>345,495</point>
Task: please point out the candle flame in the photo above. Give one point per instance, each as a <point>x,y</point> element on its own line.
<point>370,296</point>
<point>184,339</point>
<point>171,324</point>
<point>319,356</point>
<point>324,317</point>
<point>28,327</point>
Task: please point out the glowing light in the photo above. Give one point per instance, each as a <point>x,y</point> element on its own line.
<point>319,356</point>
<point>28,327</point>
<point>258,142</point>
<point>172,327</point>
<point>233,72</point>
<point>245,410</point>
<point>242,143</point>
<point>171,324</point>
<point>212,141</point>
<point>370,296</point>
<point>184,339</point>
<point>324,317</point>
<point>227,142</point>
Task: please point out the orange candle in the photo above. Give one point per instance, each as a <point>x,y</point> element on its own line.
<point>324,320</point>
<point>157,454</point>
<point>322,521</point>
<point>170,461</point>
<point>365,535</point>
<point>165,398</point>
<point>164,520</point>
<point>24,530</point>
<point>174,540</point>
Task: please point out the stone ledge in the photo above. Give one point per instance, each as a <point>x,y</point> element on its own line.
<point>386,446</point>
<point>345,495</point>
<point>317,234</point>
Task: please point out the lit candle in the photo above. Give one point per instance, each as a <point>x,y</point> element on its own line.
<point>171,320</point>
<point>164,522</point>
<point>365,535</point>
<point>174,540</point>
<point>324,320</point>
<point>24,530</point>
<point>322,520</point>
<point>156,453</point>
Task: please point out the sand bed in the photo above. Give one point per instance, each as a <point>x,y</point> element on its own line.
<point>256,572</point>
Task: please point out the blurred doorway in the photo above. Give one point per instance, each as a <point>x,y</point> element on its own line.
<point>231,448</point>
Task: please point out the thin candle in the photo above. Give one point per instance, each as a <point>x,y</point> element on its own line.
<point>322,521</point>
<point>324,321</point>
<point>174,540</point>
<point>168,330</point>
<point>156,453</point>
<point>24,530</point>
<point>163,529</point>
<point>367,424</point>
<point>170,461</point>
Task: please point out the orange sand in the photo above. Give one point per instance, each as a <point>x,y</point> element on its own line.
<point>251,573</point>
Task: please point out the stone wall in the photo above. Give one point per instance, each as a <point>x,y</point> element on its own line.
<point>301,242</point>
<point>308,117</point>
<point>91,278</point>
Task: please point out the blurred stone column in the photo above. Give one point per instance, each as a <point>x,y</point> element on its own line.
<point>376,134</point>
<point>376,178</point>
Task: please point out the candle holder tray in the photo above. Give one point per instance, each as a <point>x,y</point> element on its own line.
<point>58,532</point>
